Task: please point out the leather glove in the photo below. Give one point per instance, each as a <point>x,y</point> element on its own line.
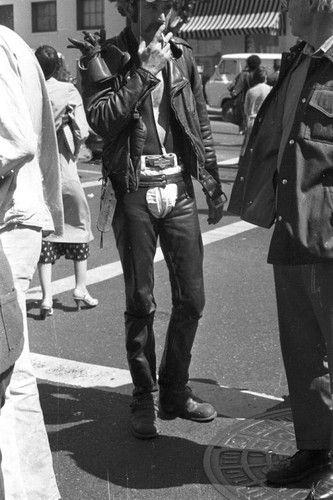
<point>91,45</point>
<point>215,209</point>
<point>93,67</point>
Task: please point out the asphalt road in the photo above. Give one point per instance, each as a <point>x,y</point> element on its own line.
<point>81,363</point>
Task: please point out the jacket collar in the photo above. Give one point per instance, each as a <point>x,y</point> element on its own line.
<point>299,47</point>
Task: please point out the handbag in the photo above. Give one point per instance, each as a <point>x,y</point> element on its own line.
<point>238,115</point>
<point>237,109</point>
<point>71,131</point>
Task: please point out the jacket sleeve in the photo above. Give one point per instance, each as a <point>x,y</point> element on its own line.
<point>205,127</point>
<point>110,106</point>
<point>18,141</point>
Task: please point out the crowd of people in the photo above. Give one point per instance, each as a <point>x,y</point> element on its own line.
<point>157,139</point>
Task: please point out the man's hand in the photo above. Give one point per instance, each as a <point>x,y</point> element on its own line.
<point>215,210</point>
<point>90,45</point>
<point>155,56</point>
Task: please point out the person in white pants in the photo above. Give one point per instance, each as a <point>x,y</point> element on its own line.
<point>30,205</point>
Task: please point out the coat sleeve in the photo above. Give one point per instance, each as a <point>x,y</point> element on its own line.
<point>110,106</point>
<point>205,127</point>
<point>18,141</point>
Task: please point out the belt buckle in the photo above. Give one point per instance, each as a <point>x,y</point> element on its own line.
<point>161,161</point>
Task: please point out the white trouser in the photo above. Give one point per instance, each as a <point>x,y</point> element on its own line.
<point>26,456</point>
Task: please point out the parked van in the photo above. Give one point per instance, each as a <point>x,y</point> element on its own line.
<point>216,89</point>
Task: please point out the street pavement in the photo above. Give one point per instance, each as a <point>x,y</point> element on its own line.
<point>85,385</point>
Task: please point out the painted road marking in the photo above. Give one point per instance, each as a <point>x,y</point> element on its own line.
<point>75,373</point>
<point>229,161</point>
<point>108,271</point>
<point>259,394</point>
<point>90,184</point>
<point>95,172</point>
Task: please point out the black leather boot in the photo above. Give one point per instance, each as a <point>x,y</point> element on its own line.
<point>144,410</point>
<point>184,404</point>
<point>176,359</point>
<point>140,348</point>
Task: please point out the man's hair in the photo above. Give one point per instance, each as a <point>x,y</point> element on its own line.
<point>120,7</point>
<point>259,75</point>
<point>325,5</point>
<point>253,62</point>
<point>121,4</point>
<point>48,59</point>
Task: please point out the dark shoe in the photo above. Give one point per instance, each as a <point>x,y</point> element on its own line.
<point>300,465</point>
<point>185,405</point>
<point>144,410</point>
<point>323,490</point>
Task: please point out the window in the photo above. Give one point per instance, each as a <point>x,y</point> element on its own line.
<point>44,16</point>
<point>90,14</point>
<point>7,16</point>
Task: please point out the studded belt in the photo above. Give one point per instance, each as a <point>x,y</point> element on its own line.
<point>160,180</point>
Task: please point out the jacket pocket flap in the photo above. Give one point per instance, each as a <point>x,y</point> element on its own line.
<point>323,101</point>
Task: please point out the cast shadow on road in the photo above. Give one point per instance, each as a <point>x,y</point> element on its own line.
<point>91,426</point>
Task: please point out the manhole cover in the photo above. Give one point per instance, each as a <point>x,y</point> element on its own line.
<point>235,462</point>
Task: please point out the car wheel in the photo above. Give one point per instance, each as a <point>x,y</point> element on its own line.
<point>227,110</point>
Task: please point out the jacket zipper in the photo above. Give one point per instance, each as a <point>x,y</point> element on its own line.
<point>188,135</point>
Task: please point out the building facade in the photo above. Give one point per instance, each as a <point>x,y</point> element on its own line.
<point>219,27</point>
<point>216,26</point>
<point>45,22</point>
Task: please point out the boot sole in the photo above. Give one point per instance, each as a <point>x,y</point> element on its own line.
<point>144,436</point>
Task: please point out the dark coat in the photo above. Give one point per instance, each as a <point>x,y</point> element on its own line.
<point>298,198</point>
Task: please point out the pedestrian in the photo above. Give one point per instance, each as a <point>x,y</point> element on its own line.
<point>239,87</point>
<point>72,130</point>
<point>30,203</point>
<point>274,76</point>
<point>157,135</point>
<point>286,177</point>
<point>254,98</point>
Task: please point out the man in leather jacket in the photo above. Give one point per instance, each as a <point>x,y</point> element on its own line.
<point>148,106</point>
<point>286,177</point>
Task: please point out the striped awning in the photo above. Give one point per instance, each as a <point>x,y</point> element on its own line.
<point>214,18</point>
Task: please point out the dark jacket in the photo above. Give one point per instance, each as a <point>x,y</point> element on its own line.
<point>298,198</point>
<point>114,112</point>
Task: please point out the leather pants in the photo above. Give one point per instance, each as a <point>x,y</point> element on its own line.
<point>136,232</point>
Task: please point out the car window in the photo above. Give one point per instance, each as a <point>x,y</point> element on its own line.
<point>228,67</point>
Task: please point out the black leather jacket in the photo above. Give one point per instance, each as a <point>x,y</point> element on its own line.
<point>113,112</point>
<point>298,196</point>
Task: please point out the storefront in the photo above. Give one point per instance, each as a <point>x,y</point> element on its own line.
<point>219,27</point>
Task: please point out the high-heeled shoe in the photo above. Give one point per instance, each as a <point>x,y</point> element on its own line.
<point>46,309</point>
<point>86,299</point>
